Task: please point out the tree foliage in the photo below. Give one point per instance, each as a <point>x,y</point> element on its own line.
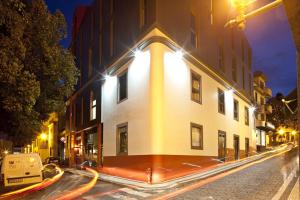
<point>36,73</point>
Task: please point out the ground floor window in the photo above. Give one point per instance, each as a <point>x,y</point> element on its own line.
<point>196,136</point>
<point>122,139</point>
<point>91,144</point>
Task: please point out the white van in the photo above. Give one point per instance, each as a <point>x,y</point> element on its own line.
<point>20,169</point>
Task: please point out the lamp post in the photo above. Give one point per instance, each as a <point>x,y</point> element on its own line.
<point>242,19</point>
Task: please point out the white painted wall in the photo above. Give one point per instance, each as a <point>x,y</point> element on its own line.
<point>134,110</point>
<point>159,108</point>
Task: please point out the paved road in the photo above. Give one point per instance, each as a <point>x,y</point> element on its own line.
<point>260,181</point>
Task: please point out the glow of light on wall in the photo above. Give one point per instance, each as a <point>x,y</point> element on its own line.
<point>140,66</point>
<point>294,132</point>
<point>175,68</point>
<point>229,100</point>
<point>109,85</point>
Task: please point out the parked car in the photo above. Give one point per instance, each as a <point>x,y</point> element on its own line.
<point>21,169</point>
<point>52,160</point>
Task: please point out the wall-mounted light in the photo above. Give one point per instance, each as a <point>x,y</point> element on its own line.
<point>43,136</point>
<point>252,109</point>
<point>294,132</point>
<point>281,131</point>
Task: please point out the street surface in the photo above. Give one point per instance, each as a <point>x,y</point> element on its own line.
<point>261,180</point>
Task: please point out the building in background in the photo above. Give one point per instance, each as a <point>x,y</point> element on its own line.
<point>264,128</point>
<point>160,79</point>
<point>46,142</point>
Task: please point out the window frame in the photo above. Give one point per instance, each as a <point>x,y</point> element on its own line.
<point>247,117</point>
<point>238,110</point>
<point>198,76</point>
<point>92,106</point>
<point>200,127</point>
<point>119,126</point>
<point>118,86</point>
<point>224,104</point>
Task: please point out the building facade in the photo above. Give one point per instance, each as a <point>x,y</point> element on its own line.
<point>264,128</point>
<point>160,78</point>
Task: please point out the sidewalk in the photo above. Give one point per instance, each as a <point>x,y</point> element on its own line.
<point>172,178</point>
<point>295,195</point>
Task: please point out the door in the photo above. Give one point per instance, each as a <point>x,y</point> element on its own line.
<point>236,143</point>
<point>246,147</point>
<point>222,145</point>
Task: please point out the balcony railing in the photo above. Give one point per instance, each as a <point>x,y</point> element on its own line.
<point>268,109</point>
<point>260,123</point>
<point>268,92</point>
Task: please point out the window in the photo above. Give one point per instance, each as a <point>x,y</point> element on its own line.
<point>82,108</point>
<point>93,106</point>
<point>111,28</point>
<point>262,101</point>
<point>196,87</point>
<point>221,101</point>
<point>234,69</point>
<point>122,87</point>
<point>111,37</point>
<point>196,136</point>
<point>90,72</point>
<point>246,116</point>
<point>249,58</point>
<point>142,13</point>
<point>221,57</point>
<point>122,139</point>
<point>236,110</point>
<point>250,82</point>
<point>243,75</point>
<point>255,94</point>
<point>211,12</point>
<point>243,49</point>
<point>193,32</point>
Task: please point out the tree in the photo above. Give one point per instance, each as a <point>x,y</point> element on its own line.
<point>36,72</point>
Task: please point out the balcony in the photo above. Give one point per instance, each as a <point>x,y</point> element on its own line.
<point>260,123</point>
<point>268,109</point>
<point>268,92</point>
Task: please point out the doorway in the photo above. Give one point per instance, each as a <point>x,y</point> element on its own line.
<point>236,145</point>
<point>246,147</point>
<point>222,145</point>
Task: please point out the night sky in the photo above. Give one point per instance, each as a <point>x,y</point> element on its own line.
<point>269,35</point>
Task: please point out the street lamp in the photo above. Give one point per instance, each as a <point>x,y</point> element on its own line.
<point>281,131</point>
<point>43,136</point>
<point>241,5</point>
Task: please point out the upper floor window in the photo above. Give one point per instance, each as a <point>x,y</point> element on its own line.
<point>243,76</point>
<point>235,109</point>
<point>211,12</point>
<point>262,101</point>
<point>249,58</point>
<point>196,136</point>
<point>90,64</point>
<point>142,13</point>
<point>255,96</point>
<point>122,87</point>
<point>93,106</point>
<point>221,101</point>
<point>194,39</point>
<point>196,87</point>
<point>234,69</point>
<point>246,115</point>
<point>221,57</point>
<point>261,84</point>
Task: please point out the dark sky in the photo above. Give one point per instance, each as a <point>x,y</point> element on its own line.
<point>269,36</point>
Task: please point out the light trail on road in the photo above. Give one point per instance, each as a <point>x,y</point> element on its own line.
<point>82,189</point>
<point>214,178</point>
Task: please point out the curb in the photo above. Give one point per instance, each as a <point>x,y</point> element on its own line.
<point>174,182</point>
